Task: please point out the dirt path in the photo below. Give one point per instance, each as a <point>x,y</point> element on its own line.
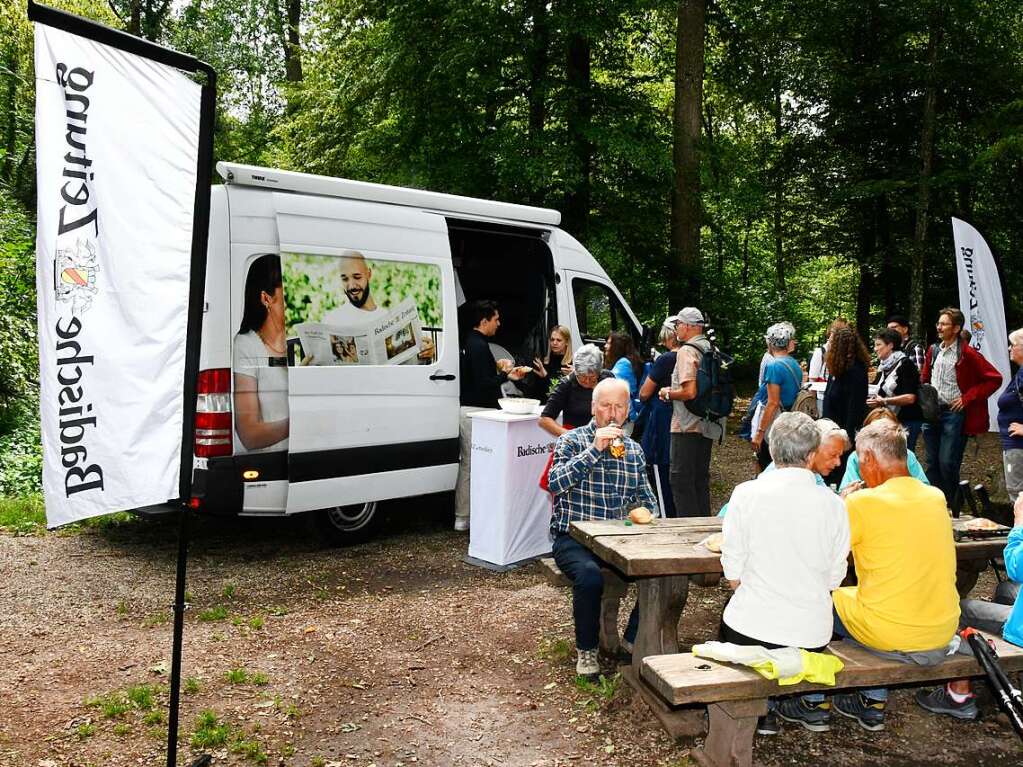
<point>392,653</point>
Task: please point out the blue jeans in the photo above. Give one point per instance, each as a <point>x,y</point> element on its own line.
<point>582,567</point>
<point>879,694</point>
<point>945,442</point>
<point>912,433</point>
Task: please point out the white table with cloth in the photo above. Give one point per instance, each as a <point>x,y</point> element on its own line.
<point>510,515</point>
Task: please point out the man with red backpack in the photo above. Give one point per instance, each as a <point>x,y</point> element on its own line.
<point>964,380</point>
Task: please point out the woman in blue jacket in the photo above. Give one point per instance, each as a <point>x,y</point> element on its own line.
<point>621,358</point>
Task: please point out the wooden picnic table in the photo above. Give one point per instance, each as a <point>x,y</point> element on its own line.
<point>663,556</point>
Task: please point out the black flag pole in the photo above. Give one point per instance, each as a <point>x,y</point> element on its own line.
<point>99,33</point>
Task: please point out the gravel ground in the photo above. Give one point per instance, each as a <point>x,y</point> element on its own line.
<point>390,653</point>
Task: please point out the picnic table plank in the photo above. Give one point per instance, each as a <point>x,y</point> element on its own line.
<point>585,532</point>
<point>668,547</point>
<point>684,678</point>
<point>986,548</point>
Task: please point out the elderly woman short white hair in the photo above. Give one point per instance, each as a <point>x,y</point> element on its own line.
<point>834,442</point>
<point>587,360</point>
<point>786,540</point>
<point>794,440</point>
<point>779,335</point>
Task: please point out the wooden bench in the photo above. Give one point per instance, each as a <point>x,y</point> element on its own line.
<point>615,588</point>
<point>735,695</point>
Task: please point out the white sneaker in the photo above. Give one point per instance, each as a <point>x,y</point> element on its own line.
<point>461,524</point>
<point>586,663</point>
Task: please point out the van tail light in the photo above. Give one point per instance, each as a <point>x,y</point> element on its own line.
<point>213,414</point>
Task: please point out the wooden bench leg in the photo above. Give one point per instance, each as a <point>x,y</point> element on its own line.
<point>661,602</point>
<point>610,603</point>
<point>729,741</point>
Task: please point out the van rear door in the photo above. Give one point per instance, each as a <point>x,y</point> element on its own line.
<point>372,327</point>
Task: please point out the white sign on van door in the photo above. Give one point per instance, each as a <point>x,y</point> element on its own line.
<point>354,310</point>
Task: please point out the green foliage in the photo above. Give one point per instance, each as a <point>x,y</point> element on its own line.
<point>23,515</point>
<point>155,716</point>
<point>601,692</point>
<point>810,157</point>
<point>142,696</point>
<point>209,731</point>
<point>217,613</point>
<point>192,685</point>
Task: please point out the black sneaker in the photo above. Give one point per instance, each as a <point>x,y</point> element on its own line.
<point>940,702</point>
<point>768,724</point>
<point>815,717</point>
<point>869,714</point>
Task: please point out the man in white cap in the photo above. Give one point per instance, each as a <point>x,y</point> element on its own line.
<point>691,435</point>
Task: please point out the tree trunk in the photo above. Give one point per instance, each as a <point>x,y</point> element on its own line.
<point>135,19</point>
<point>779,191</point>
<point>293,47</point>
<point>686,214</point>
<point>923,199</point>
<point>864,294</point>
<point>577,120</point>
<point>868,249</point>
<point>884,237</point>
<point>745,253</point>
<point>538,60</point>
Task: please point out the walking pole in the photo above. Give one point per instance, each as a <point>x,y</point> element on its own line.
<point>1007,696</point>
<point>1003,678</point>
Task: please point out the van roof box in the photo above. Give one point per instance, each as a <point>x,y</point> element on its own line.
<point>326,186</point>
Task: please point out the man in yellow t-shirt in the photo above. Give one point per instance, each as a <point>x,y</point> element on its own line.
<point>901,537</point>
<point>906,606</point>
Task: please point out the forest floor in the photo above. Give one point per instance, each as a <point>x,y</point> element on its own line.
<point>392,653</point>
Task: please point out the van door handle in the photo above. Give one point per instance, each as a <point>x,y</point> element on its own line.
<point>442,377</point>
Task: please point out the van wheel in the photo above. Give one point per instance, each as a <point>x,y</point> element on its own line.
<point>343,525</point>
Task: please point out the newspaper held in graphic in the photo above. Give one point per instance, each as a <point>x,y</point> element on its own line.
<point>393,340</point>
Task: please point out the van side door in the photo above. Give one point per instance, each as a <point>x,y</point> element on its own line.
<point>372,331</point>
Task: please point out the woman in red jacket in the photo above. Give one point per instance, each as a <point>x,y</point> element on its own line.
<point>964,381</point>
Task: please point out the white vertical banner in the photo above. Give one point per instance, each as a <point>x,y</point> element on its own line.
<point>980,299</point>
<point>117,142</point>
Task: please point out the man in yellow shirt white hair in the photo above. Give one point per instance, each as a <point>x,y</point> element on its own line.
<point>905,606</point>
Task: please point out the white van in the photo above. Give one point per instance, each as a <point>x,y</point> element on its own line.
<point>372,275</point>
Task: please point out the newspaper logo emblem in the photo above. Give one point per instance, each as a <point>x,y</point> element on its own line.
<point>977,328</point>
<point>74,276</point>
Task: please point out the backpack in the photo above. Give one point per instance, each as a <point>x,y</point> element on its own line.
<point>927,397</point>
<point>715,391</point>
<point>805,402</point>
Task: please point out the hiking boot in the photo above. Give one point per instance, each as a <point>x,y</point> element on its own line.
<point>940,702</point>
<point>815,717</point>
<point>869,714</point>
<point>586,662</point>
<point>768,724</point>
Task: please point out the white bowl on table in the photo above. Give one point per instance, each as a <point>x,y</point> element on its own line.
<point>518,405</point>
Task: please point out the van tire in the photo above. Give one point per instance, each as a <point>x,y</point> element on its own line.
<point>345,525</point>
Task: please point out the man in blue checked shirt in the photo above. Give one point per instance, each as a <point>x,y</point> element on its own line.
<point>589,483</point>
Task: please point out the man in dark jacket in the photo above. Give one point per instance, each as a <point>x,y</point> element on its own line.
<point>964,381</point>
<point>481,374</point>
<point>480,379</point>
